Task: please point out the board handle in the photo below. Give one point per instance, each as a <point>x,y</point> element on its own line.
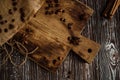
<point>87,49</point>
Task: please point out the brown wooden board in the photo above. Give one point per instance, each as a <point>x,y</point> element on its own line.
<point>14,14</point>
<point>50,34</point>
<point>50,53</point>
<point>87,49</point>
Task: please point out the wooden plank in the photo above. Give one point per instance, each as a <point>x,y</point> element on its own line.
<point>50,53</point>
<point>75,19</point>
<point>87,49</point>
<point>14,15</point>
<point>50,34</point>
<point>68,11</point>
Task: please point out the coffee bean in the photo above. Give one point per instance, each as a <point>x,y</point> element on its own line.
<point>1,17</point>
<point>0,30</point>
<point>14,3</point>
<point>5,21</point>
<point>46,12</point>
<point>13,20</point>
<point>5,30</point>
<point>11,26</point>
<point>69,25</point>
<point>14,8</point>
<point>57,5</point>
<point>62,19</point>
<point>2,22</point>
<point>81,17</point>
<point>10,11</point>
<point>56,1</point>
<point>22,14</point>
<point>13,0</point>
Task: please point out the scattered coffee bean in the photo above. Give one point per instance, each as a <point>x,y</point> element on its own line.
<point>48,1</point>
<point>56,12</point>
<point>46,12</point>
<point>14,3</point>
<point>22,19</point>
<point>22,14</point>
<point>0,30</point>
<point>1,17</point>
<point>50,5</point>
<point>5,21</point>
<point>54,62</point>
<point>14,8</point>
<point>74,40</point>
<point>13,0</point>
<point>89,50</point>
<point>13,20</point>
<point>46,8</point>
<point>5,30</point>
<point>10,11</point>
<point>81,17</point>
<point>11,26</point>
<point>69,25</point>
<point>63,11</point>
<point>51,12</point>
<point>34,15</point>
<point>56,1</point>
<point>62,19</point>
<point>2,22</point>
<point>57,5</point>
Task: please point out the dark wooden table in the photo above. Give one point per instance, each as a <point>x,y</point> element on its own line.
<point>106,65</point>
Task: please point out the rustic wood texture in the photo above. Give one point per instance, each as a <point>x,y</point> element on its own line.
<point>14,14</point>
<point>50,35</point>
<point>106,65</point>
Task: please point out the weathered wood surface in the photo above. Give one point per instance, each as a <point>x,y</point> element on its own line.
<point>14,14</point>
<point>106,65</point>
<point>50,35</point>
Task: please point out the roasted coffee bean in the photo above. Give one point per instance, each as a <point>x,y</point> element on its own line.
<point>5,21</point>
<point>46,12</point>
<point>50,5</point>
<point>0,30</point>
<point>11,26</point>
<point>54,62</point>
<point>56,1</point>
<point>81,17</point>
<point>13,0</point>
<point>46,8</point>
<point>63,11</point>
<point>70,25</point>
<point>14,8</point>
<point>14,3</point>
<point>1,17</point>
<point>22,19</point>
<point>62,19</point>
<point>57,5</point>
<point>56,12</point>
<point>13,20</point>
<point>2,22</point>
<point>10,11</point>
<point>5,30</point>
<point>22,14</point>
<point>89,50</point>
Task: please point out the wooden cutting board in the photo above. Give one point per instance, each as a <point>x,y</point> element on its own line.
<point>55,30</point>
<point>14,14</point>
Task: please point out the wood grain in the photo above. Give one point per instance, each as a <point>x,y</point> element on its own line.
<point>50,35</point>
<point>106,65</point>
<point>14,15</point>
